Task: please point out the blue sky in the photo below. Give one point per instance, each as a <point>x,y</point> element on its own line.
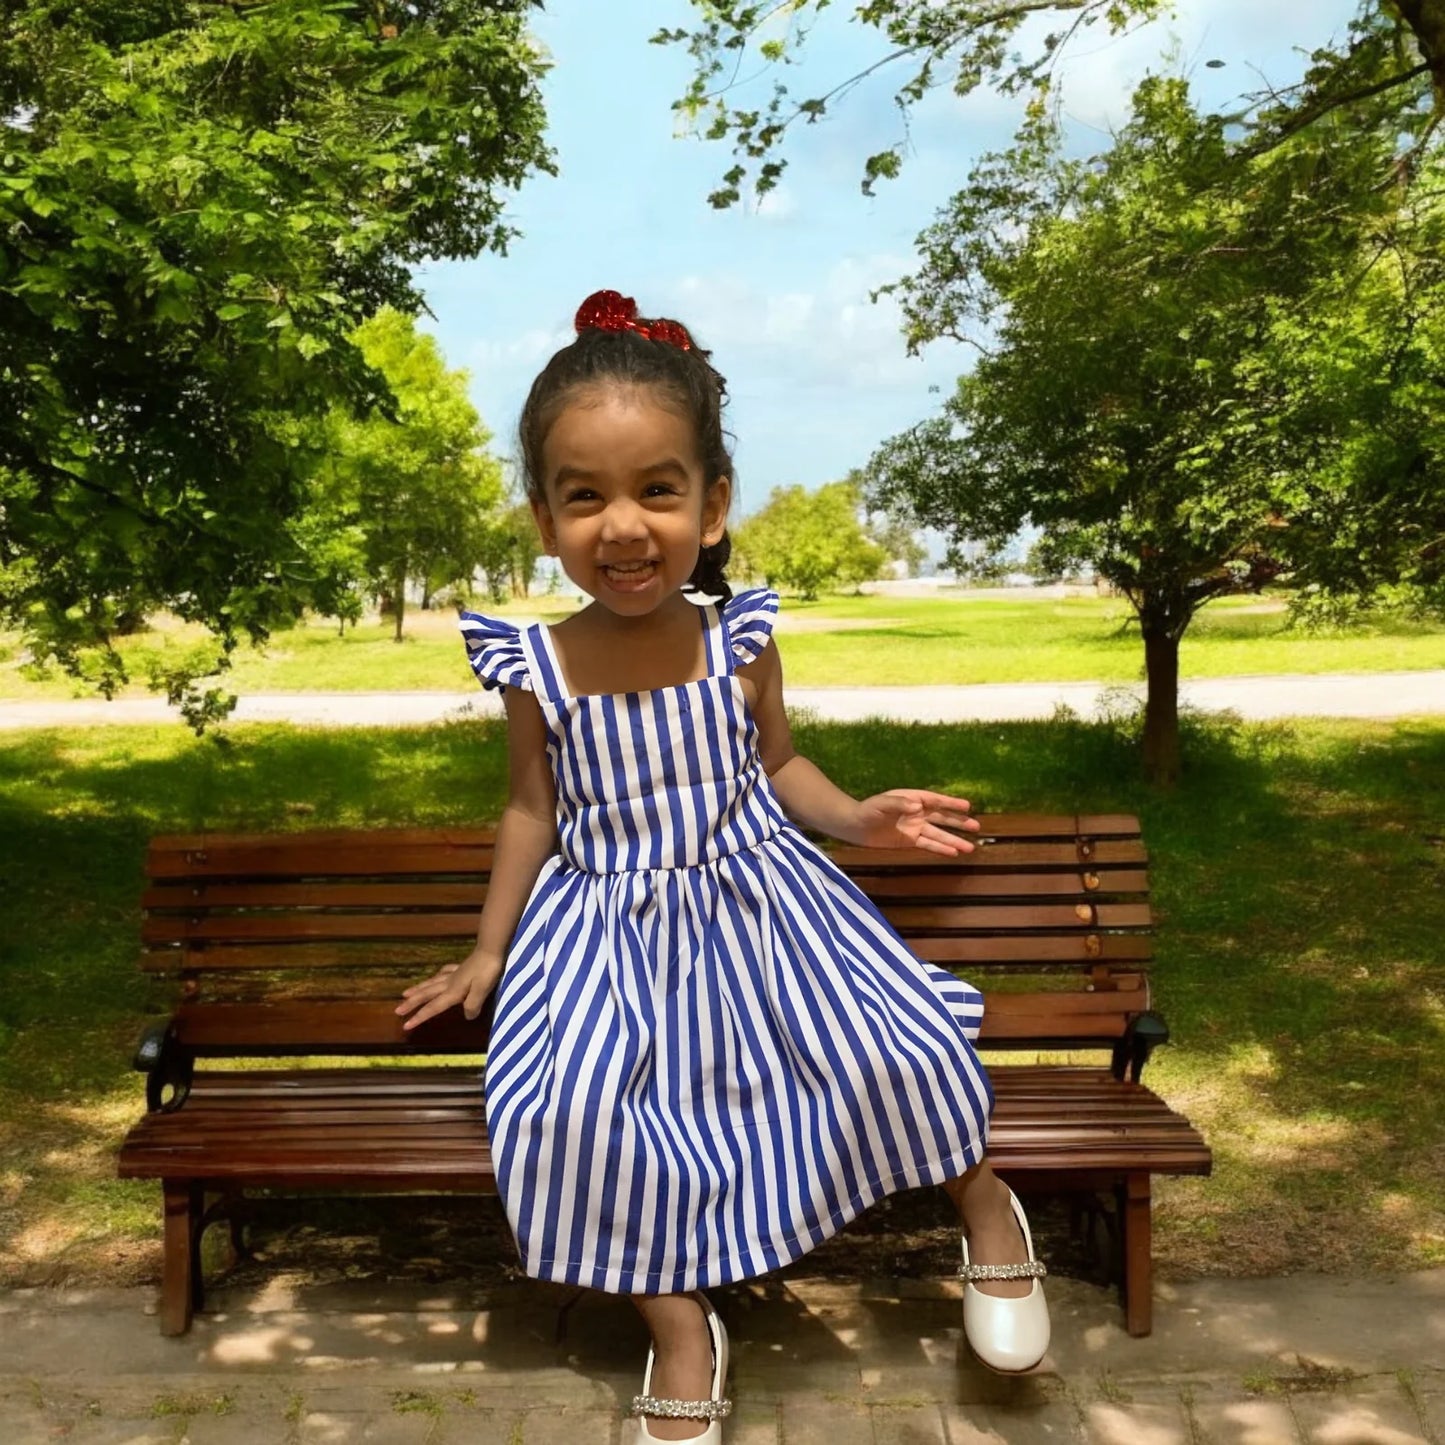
<point>818,376</point>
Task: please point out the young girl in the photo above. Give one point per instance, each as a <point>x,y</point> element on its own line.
<point>709,1050</point>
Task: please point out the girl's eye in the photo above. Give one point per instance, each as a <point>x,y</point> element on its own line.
<point>582,494</point>
<point>660,489</point>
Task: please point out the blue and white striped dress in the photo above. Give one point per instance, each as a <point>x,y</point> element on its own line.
<point>709,1051</point>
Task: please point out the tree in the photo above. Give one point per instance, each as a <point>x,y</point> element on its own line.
<point>509,558</point>
<point>898,540</point>
<point>1188,371</point>
<point>807,540</point>
<point>413,490</point>
<point>895,534</point>
<point>198,205</point>
<point>1395,48</point>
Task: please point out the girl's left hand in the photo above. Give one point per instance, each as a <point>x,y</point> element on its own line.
<point>915,818</point>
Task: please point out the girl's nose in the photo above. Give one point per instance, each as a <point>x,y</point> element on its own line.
<point>623,521</point>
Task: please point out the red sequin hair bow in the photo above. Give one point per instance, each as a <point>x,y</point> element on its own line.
<point>612,311</point>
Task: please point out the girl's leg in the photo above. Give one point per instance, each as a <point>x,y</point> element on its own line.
<point>682,1369</point>
<point>994,1237</point>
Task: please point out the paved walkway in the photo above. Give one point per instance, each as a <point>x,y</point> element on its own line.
<point>1379,694</point>
<point>1310,1360</point>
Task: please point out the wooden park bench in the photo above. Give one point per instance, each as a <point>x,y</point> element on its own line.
<point>290,950</point>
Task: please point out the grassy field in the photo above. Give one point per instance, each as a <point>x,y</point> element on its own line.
<point>840,641</point>
<point>1299,874</point>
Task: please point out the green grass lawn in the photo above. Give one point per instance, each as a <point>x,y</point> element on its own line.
<point>839,641</point>
<point>1298,869</point>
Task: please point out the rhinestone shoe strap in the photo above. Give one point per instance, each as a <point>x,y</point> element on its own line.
<point>681,1409</point>
<point>1035,1269</point>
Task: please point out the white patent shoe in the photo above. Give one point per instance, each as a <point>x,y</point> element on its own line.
<point>1007,1335</point>
<point>714,1409</point>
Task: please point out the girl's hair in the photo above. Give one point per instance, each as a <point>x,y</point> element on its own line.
<point>680,376</point>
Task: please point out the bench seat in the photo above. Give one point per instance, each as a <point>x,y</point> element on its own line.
<point>426,1129</point>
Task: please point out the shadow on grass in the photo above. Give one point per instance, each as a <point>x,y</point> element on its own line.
<point>1298,875</point>
<point>1297,883</point>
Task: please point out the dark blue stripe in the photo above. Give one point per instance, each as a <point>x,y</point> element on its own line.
<point>551,676</point>
<point>581,726</point>
<point>651,820</point>
<point>671,786</point>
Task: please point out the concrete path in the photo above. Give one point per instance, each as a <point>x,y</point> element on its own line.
<point>1379,694</point>
<point>1296,1361</point>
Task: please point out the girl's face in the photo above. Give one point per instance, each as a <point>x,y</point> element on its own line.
<point>627,505</point>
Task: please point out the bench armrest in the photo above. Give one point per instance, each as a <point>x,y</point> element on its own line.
<point>167,1066</point>
<point>1144,1034</point>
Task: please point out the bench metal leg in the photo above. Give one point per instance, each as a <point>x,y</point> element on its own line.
<point>1136,1226</point>
<point>181,1263</point>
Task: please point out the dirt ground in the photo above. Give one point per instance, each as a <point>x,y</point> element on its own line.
<point>440,1239</point>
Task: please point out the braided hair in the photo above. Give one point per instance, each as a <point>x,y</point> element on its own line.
<point>614,346</point>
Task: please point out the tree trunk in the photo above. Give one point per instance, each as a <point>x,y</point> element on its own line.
<point>398,604</point>
<point>1427,19</point>
<point>1161,707</point>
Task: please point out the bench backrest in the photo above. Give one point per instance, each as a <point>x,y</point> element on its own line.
<point>301,943</point>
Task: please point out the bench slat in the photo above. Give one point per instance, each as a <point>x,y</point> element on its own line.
<point>400,954</point>
<point>226,1123</point>
<point>303,859</point>
<point>414,895</point>
<point>419,894</point>
<point>372,855</point>
<point>1012,854</point>
<point>999,824</point>
<point>1106,882</point>
<point>273,927</point>
<point>1035,949</point>
<point>988,918</point>
<point>252,927</point>
<point>470,1169</point>
<point>461,837</point>
<point>1020,953</point>
<point>317,1027</point>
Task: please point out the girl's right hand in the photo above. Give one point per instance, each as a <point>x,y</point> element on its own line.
<point>467,983</point>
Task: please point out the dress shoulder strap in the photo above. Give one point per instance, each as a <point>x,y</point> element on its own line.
<point>546,674</point>
<point>715,640</point>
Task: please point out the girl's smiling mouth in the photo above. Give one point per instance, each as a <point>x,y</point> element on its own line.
<point>630,576</point>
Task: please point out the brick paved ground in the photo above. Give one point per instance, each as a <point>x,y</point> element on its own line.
<point>1327,1361</point>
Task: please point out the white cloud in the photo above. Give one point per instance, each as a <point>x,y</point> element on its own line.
<point>1256,42</point>
<point>832,337</point>
<point>528,349</point>
<point>778,204</point>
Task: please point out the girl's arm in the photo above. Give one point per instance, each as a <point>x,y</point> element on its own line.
<point>899,818</point>
<point>526,838</point>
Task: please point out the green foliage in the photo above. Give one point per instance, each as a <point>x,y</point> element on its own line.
<point>965,44</point>
<point>198,205</point>
<point>513,547</point>
<point>406,494</point>
<point>1192,371</point>
<point>899,541</point>
<point>810,540</point>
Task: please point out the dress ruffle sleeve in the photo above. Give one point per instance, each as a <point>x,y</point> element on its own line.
<point>749,617</point>
<point>494,649</point>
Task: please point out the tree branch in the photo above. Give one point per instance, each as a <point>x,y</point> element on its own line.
<point>1306,117</point>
